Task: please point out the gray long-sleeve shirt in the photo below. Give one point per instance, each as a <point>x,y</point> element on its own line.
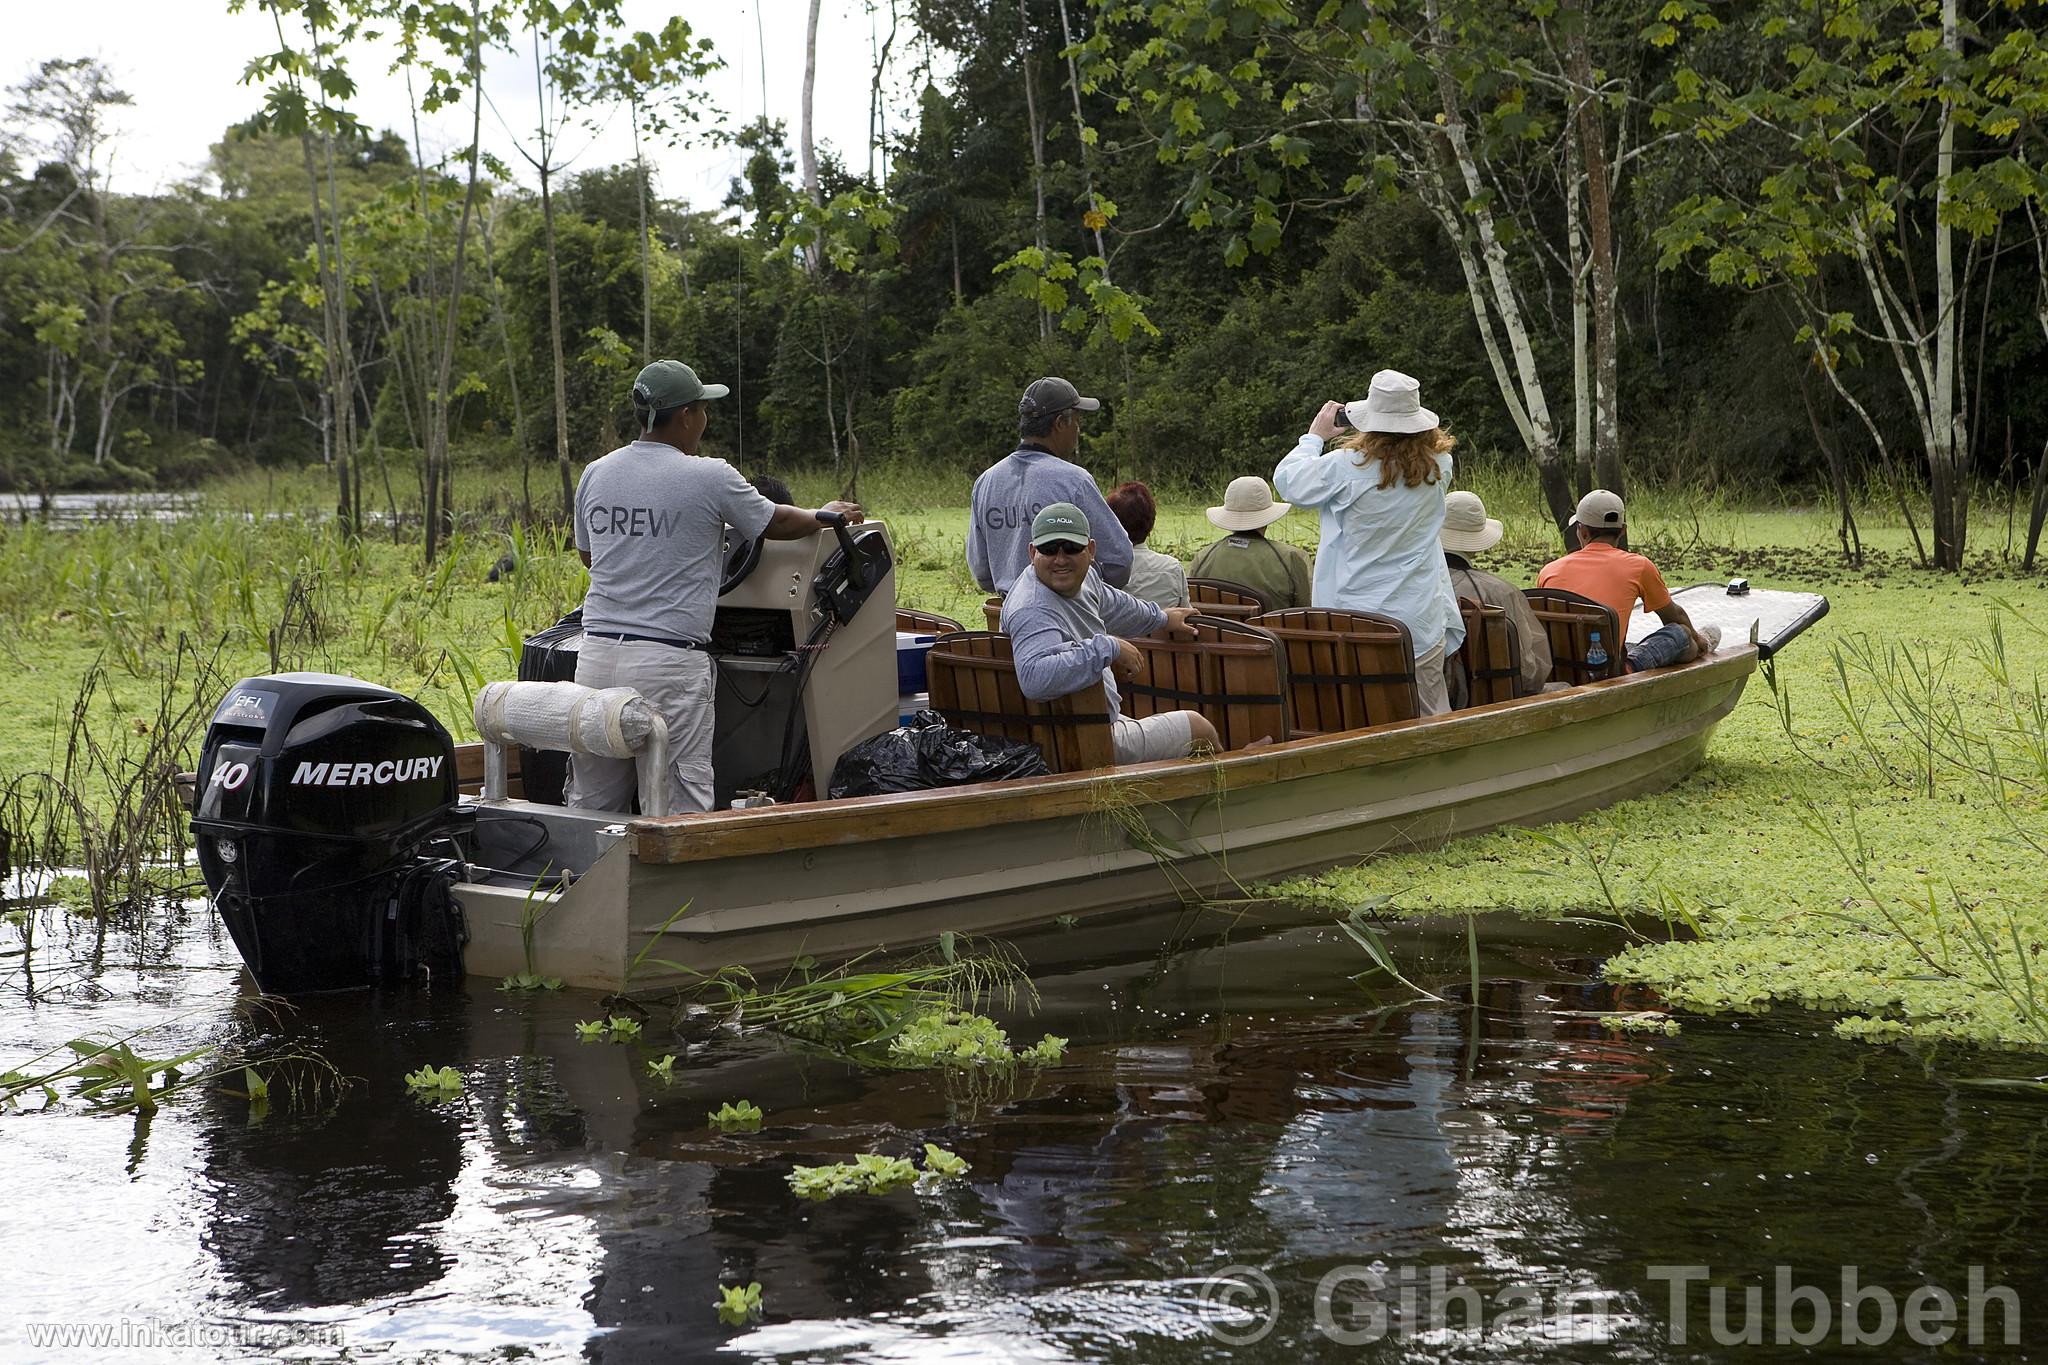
<point>1061,644</point>
<point>1017,488</point>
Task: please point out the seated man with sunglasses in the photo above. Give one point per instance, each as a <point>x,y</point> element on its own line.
<point>1067,628</point>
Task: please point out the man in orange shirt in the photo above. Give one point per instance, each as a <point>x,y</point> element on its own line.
<point>1615,578</point>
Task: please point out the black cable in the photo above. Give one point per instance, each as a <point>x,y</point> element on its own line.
<point>807,655</point>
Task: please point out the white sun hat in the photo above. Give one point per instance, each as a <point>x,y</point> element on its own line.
<point>1393,404</point>
<point>1467,528</point>
<point>1248,506</point>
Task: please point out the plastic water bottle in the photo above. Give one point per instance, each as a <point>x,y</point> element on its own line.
<point>1596,655</point>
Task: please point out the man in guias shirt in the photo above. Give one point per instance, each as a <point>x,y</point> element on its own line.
<point>1037,474</point>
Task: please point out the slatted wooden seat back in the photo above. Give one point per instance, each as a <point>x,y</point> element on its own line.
<point>973,684</point>
<point>1346,669</point>
<point>1491,654</point>
<point>1569,621</point>
<point>914,622</point>
<point>1235,674</point>
<point>992,612</point>
<point>1221,597</point>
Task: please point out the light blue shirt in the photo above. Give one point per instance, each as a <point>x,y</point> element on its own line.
<point>1061,644</point>
<point>1379,549</point>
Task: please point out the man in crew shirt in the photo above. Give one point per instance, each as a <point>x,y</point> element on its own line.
<point>650,524</point>
<point>1038,473</point>
<point>1615,578</point>
<point>1066,629</point>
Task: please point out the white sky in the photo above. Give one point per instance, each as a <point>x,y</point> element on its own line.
<point>182,62</point>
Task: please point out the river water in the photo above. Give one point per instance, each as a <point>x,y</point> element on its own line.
<point>1459,1179</point>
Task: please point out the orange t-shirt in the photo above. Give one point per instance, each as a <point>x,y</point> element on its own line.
<point>1611,576</point>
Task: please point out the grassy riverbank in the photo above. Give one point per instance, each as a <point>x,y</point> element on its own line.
<point>1865,859</point>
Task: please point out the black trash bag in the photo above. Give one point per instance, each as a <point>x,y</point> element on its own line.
<point>927,754</point>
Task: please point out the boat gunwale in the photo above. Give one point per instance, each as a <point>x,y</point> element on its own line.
<point>700,836</point>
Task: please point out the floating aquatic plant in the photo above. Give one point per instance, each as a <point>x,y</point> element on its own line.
<point>942,1164</point>
<point>617,1028</point>
<point>742,1117</point>
<point>738,1306</point>
<point>662,1067</point>
<point>868,1173</point>
<point>435,1083</point>
<point>527,981</point>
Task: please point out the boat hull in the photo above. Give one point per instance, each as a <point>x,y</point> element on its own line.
<point>832,880</point>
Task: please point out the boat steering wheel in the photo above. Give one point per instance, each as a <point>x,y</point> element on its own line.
<point>742,554</point>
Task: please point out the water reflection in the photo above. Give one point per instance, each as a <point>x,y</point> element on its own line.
<point>1238,1101</point>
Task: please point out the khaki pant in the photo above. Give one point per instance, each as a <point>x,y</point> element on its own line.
<point>679,684</point>
<point>1429,681</point>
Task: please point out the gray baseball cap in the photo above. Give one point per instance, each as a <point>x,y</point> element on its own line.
<point>1600,510</point>
<point>1051,395</point>
<point>1061,521</point>
<point>670,383</point>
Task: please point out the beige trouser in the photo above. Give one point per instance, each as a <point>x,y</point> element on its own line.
<point>677,683</point>
<point>1429,681</point>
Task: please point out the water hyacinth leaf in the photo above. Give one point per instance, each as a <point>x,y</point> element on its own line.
<point>738,1305</point>
<point>742,1117</point>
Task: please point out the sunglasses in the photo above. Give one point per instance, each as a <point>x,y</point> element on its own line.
<point>1060,547</point>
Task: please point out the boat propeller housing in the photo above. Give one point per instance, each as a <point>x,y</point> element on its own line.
<point>325,825</point>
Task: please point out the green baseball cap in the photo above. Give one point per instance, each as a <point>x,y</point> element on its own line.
<point>669,384</point>
<point>1061,521</point>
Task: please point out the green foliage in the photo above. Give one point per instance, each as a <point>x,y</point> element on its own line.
<point>435,1083</point>
<point>942,1164</point>
<point>738,1306</point>
<point>868,1173</point>
<point>617,1028</point>
<point>662,1068</point>
<point>744,1117</point>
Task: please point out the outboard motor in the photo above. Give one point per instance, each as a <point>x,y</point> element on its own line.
<point>319,797</point>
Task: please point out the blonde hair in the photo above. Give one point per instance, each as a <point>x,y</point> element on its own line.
<point>1409,456</point>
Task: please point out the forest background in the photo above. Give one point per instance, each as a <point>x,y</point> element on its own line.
<point>1771,248</point>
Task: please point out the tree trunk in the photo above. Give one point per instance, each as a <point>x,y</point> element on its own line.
<point>646,248</point>
<point>511,378</point>
<point>1087,169</point>
<point>1037,151</point>
<point>1949,482</point>
<point>1600,228</point>
<point>1582,360</point>
<point>1838,474</point>
<point>807,148</point>
<point>547,214</point>
<point>1526,400</point>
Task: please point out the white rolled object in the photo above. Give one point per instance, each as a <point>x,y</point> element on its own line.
<point>611,722</point>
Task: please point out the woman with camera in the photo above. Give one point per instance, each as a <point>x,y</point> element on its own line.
<point>1379,492</point>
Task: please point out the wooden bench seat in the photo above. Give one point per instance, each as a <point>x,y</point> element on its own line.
<point>973,684</point>
<point>1491,656</point>
<point>911,621</point>
<point>1221,597</point>
<point>1232,672</point>
<point>1346,669</point>
<point>1569,621</point>
<point>469,770</point>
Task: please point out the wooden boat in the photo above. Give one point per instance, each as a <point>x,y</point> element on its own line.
<point>340,850</point>
<point>831,879</point>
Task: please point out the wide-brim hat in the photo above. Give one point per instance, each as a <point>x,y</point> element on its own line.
<point>1467,528</point>
<point>1248,505</point>
<point>1393,404</point>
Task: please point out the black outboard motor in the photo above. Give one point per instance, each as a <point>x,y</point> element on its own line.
<point>318,798</point>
